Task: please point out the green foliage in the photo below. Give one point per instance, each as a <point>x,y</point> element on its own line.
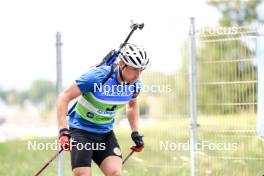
<point>221,70</point>
<point>13,97</point>
<point>41,90</point>
<point>237,12</point>
<point>41,94</point>
<point>222,64</point>
<point>169,89</point>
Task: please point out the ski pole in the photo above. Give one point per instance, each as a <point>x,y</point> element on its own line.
<point>48,163</point>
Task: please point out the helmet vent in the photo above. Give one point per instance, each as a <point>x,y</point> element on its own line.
<point>138,60</point>
<point>132,60</point>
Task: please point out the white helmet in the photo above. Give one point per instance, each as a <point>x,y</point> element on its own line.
<point>134,56</point>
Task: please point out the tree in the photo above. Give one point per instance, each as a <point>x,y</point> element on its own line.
<point>39,89</point>
<point>211,69</point>
<point>237,12</point>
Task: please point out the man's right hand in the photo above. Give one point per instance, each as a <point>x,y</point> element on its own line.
<point>64,139</point>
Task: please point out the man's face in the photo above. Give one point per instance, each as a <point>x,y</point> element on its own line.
<point>130,74</point>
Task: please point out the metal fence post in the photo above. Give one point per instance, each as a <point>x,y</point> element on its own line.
<point>58,90</point>
<point>192,97</point>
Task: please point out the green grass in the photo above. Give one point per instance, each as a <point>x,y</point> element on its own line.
<point>247,159</point>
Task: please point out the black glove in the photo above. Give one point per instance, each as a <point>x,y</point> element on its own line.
<point>137,139</point>
<point>64,139</point>
<point>64,132</point>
